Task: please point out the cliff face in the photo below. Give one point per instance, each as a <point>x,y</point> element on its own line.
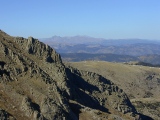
<point>34,84</point>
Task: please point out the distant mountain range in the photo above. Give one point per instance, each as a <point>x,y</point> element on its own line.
<point>119,50</point>
<point>57,40</point>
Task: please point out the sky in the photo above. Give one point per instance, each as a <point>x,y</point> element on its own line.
<point>110,19</point>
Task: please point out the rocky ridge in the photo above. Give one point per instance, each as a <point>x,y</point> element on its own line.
<point>35,84</point>
<point>140,81</point>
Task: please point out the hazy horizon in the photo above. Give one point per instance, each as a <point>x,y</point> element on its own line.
<point>98,38</point>
<point>99,19</point>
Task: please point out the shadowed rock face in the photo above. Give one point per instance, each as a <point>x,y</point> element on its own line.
<point>34,84</point>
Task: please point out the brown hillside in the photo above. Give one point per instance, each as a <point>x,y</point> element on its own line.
<point>36,85</point>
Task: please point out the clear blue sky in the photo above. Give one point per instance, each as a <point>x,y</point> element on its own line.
<point>96,18</point>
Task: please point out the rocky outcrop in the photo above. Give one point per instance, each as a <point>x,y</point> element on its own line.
<point>33,71</point>
<point>35,47</point>
<point>32,110</point>
<point>5,115</point>
<point>35,84</point>
<point>94,91</point>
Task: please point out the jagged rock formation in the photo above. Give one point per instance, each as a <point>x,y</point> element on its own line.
<point>35,84</point>
<point>140,83</point>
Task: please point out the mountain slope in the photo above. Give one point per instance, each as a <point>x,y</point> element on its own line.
<point>35,84</point>
<point>141,83</point>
